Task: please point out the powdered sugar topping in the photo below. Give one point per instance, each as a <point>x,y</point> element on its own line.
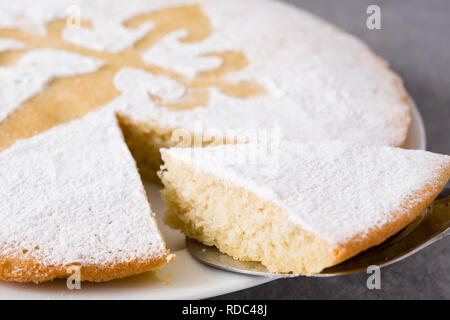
<point>320,83</point>
<point>10,44</point>
<point>188,59</point>
<point>106,36</point>
<point>135,82</point>
<point>73,195</point>
<point>34,70</point>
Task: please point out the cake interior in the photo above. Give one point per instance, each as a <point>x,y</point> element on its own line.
<point>238,222</point>
<point>146,138</point>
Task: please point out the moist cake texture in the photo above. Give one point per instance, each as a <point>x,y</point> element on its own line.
<point>72,197</point>
<point>325,203</point>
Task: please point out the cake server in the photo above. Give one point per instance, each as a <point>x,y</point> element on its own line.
<point>431,226</point>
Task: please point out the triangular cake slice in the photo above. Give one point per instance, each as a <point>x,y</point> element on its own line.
<point>72,196</point>
<point>315,205</point>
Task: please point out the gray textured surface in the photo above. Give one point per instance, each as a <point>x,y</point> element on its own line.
<point>415,39</point>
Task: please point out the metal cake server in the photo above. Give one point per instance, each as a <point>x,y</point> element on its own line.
<point>432,225</point>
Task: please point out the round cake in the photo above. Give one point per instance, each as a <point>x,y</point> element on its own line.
<point>208,67</point>
<point>78,78</point>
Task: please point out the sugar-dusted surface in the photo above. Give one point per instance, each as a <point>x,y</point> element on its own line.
<point>10,44</point>
<point>337,190</point>
<point>132,82</point>
<point>415,48</point>
<point>105,36</point>
<point>73,195</point>
<point>320,83</point>
<point>34,70</point>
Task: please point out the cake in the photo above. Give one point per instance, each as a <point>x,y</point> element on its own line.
<point>72,197</point>
<point>201,67</point>
<point>86,86</point>
<point>300,207</point>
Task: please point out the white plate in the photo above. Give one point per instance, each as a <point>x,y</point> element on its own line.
<point>189,279</point>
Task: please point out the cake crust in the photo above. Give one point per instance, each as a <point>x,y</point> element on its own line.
<point>22,269</point>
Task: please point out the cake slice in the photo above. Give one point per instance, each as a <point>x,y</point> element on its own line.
<point>319,204</point>
<point>72,197</point>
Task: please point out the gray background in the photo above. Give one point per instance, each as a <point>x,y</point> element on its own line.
<point>415,39</point>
